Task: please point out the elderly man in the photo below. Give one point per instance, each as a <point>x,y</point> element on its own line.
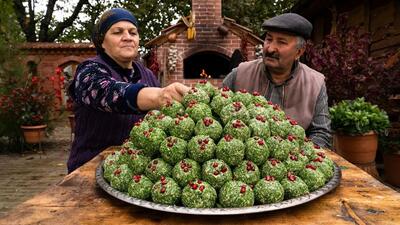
<point>299,90</point>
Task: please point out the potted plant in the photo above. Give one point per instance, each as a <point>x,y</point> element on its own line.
<point>356,124</point>
<point>390,145</point>
<point>30,106</point>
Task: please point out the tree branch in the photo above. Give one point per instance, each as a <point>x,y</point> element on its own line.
<point>66,23</point>
<point>27,23</point>
<point>45,23</point>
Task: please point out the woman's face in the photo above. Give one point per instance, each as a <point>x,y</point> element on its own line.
<point>121,43</point>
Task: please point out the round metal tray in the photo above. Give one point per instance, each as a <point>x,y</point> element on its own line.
<point>333,183</point>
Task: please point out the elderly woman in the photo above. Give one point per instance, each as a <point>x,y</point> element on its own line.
<point>112,91</point>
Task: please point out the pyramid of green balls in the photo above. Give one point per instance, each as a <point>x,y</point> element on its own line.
<point>217,149</point>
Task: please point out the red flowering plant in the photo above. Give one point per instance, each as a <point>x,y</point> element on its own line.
<point>28,104</point>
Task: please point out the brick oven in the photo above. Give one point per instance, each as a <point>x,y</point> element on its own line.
<point>219,45</point>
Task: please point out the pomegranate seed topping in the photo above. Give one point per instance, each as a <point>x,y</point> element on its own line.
<point>291,176</point>
<point>224,169</point>
<point>170,145</point>
<point>130,152</point>
<point>163,182</point>
<point>274,162</point>
<point>256,93</point>
<point>151,129</point>
<point>186,115</point>
<point>194,186</point>
<point>270,103</point>
<point>260,142</point>
<point>269,178</point>
<point>177,122</point>
<point>206,141</point>
<point>117,172</point>
<point>243,91</point>
<point>321,154</point>
<point>260,118</point>
<point>201,188</point>
<point>224,95</point>
<point>293,122</point>
<point>202,147</point>
<point>228,138</point>
<point>199,181</point>
<point>162,190</point>
<point>185,169</point>
<point>293,157</point>
<point>319,159</point>
<point>215,165</point>
<point>155,161</point>
<point>317,147</point>
<point>203,81</point>
<point>243,189</point>
<point>291,138</point>
<point>199,141</point>
<point>309,166</point>
<point>216,173</point>
<point>162,178</point>
<point>226,89</point>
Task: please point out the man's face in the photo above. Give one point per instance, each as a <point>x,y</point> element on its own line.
<point>280,51</point>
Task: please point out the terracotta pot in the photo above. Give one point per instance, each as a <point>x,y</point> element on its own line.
<point>360,149</point>
<point>391,163</point>
<point>34,134</point>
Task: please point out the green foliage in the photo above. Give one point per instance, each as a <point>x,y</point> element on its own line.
<point>358,117</point>
<point>252,13</point>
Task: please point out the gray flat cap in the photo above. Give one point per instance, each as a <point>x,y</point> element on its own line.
<point>291,23</point>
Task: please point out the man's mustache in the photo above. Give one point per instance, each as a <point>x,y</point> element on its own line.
<point>271,55</point>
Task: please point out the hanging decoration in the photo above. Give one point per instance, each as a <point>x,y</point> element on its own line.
<point>172,58</point>
<point>189,21</point>
<point>258,51</point>
<point>154,66</point>
<point>243,48</point>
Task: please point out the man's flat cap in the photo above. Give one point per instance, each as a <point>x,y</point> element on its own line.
<point>291,23</point>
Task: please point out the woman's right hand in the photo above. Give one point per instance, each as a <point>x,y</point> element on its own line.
<point>153,98</point>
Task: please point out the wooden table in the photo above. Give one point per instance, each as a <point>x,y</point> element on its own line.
<point>77,199</point>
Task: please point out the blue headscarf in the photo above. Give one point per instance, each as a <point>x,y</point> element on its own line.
<point>106,20</point>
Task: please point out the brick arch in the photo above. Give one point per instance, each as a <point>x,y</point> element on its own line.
<point>68,59</point>
<point>201,48</point>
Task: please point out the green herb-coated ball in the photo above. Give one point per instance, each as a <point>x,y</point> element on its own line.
<point>236,194</point>
<point>257,150</point>
<point>210,127</point>
<point>234,110</point>
<point>199,194</point>
<point>173,109</point>
<point>323,166</point>
<point>136,134</point>
<point>137,161</point>
<point>243,96</point>
<point>279,127</point>
<point>120,178</point>
<point>274,167</point>
<point>268,191</point>
<point>312,177</point>
<point>294,186</point>
<point>237,129</point>
<point>216,172</point>
<point>230,150</point>
<point>173,149</point>
<point>182,127</point>
<point>140,187</point>
<point>151,115</point>
<point>201,148</point>
<point>219,101</point>
<point>207,87</point>
<point>162,121</point>
<point>166,191</point>
<point>185,171</point>
<point>258,109</point>
<point>197,111</point>
<point>294,164</point>
<point>152,139</point>
<point>247,172</point>
<point>259,126</point>
<point>157,168</point>
<point>195,94</point>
